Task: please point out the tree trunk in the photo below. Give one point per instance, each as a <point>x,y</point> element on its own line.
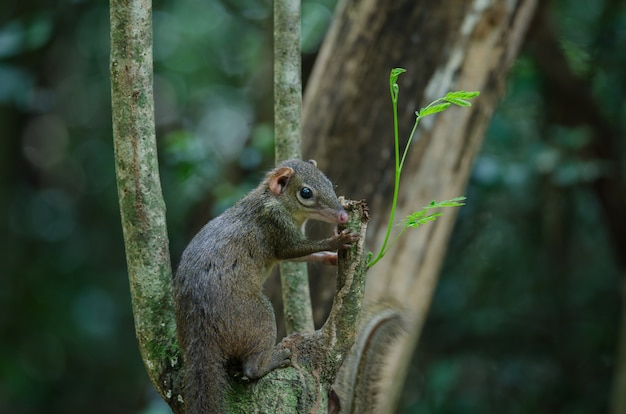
<point>347,127</point>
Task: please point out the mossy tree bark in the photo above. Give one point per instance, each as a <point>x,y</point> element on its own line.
<point>347,125</point>
<point>139,191</point>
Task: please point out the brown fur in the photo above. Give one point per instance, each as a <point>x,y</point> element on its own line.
<point>222,315</point>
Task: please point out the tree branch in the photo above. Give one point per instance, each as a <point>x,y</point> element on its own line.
<point>287,80</point>
<point>340,328</point>
<point>288,127</point>
<point>139,191</point>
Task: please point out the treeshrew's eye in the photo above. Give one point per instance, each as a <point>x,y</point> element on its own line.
<point>306,193</point>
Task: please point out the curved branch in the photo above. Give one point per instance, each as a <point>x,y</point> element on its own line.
<point>139,191</point>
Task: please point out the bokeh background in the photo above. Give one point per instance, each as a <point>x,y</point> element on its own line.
<point>527,312</point>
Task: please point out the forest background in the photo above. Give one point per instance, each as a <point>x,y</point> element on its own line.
<point>527,312</point>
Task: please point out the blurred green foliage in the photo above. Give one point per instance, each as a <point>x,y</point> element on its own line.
<point>526,313</point>
<point>524,319</point>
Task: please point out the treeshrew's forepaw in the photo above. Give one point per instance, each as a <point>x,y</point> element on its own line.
<point>346,237</point>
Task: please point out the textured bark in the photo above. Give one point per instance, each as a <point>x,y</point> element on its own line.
<point>294,276</point>
<point>139,191</point>
<point>347,126</point>
<point>287,80</point>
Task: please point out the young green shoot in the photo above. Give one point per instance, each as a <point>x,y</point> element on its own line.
<point>459,98</point>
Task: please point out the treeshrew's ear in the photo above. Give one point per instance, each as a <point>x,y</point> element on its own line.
<point>279,179</point>
<point>313,162</point>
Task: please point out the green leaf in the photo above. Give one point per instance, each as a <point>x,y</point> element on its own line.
<point>420,217</point>
<point>415,220</point>
<point>460,98</point>
<point>459,102</point>
<point>454,202</point>
<point>430,110</point>
<point>395,72</point>
<point>461,95</point>
<point>393,86</point>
